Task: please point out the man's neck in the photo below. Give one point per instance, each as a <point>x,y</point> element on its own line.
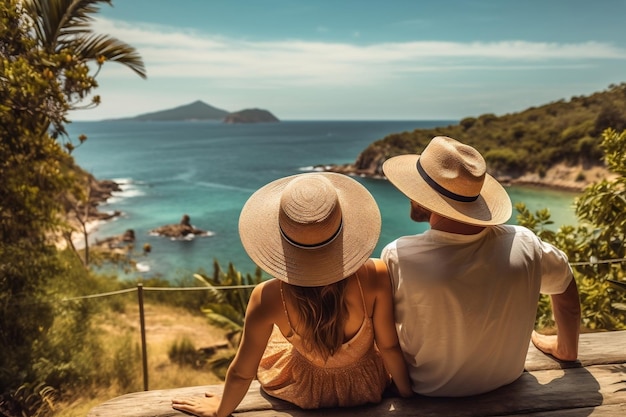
<point>448,225</point>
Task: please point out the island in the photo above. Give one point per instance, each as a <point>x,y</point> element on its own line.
<point>198,110</point>
<point>201,111</point>
<point>183,230</point>
<point>251,116</point>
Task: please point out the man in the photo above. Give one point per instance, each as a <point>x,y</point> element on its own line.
<point>466,291</point>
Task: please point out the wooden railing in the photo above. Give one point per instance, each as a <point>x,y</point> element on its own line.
<point>593,386</point>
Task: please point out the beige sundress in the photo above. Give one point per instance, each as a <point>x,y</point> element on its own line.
<point>355,375</point>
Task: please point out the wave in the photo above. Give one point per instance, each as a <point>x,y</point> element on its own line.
<point>142,267</point>
<point>185,176</point>
<point>317,168</point>
<point>122,181</point>
<point>181,176</point>
<point>129,189</point>
<point>224,186</point>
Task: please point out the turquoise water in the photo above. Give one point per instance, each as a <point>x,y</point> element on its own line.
<point>208,170</point>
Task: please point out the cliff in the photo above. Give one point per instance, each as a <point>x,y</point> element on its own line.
<point>554,145</point>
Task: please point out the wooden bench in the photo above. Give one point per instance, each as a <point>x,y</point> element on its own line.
<point>594,386</point>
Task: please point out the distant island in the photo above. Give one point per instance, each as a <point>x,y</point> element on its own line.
<point>250,116</point>
<point>199,110</point>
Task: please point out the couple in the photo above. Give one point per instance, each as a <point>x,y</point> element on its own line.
<point>449,312</point>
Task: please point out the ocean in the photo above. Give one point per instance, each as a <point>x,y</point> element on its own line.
<point>208,170</point>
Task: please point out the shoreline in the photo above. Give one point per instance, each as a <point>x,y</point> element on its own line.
<point>560,177</point>
<point>563,177</point>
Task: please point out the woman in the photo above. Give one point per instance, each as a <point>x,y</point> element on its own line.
<point>309,333</point>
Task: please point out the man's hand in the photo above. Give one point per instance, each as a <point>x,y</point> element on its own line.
<point>566,309</point>
<point>549,345</point>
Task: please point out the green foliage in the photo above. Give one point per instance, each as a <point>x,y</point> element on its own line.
<point>529,141</point>
<point>595,247</point>
<point>227,308</point>
<point>468,122</point>
<point>46,48</point>
<point>506,160</point>
<point>126,364</point>
<point>220,362</point>
<point>30,401</point>
<point>183,352</point>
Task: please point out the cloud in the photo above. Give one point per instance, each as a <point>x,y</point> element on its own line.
<point>175,53</point>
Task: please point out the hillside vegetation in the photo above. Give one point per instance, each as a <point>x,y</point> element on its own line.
<point>531,141</point>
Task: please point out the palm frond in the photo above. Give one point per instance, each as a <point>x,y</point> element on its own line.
<point>59,22</point>
<point>215,295</point>
<point>226,310</point>
<point>221,321</point>
<point>111,49</point>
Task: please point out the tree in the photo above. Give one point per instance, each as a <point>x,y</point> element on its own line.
<point>46,48</point>
<point>596,246</point>
<point>63,30</point>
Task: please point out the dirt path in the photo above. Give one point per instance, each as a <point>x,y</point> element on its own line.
<point>166,324</point>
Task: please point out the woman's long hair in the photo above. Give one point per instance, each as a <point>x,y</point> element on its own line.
<point>322,314</point>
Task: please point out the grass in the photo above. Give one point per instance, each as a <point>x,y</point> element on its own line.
<point>119,335</point>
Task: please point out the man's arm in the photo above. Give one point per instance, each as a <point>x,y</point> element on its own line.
<point>566,309</point>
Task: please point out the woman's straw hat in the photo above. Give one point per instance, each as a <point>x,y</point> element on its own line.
<point>310,229</point>
<point>450,179</point>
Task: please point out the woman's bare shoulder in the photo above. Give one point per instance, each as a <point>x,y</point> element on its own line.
<point>373,275</point>
<point>266,296</point>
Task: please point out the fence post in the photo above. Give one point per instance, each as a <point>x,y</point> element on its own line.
<point>144,351</point>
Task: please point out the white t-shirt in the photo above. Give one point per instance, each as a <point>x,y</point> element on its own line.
<point>466,304</point>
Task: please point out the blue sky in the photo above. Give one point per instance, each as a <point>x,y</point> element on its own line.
<point>361,60</point>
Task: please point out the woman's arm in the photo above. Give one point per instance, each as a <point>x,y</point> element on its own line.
<point>257,329</point>
<point>385,331</point>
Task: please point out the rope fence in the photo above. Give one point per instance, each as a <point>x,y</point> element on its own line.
<point>106,294</point>
<point>140,299</point>
<point>598,261</point>
<point>142,320</point>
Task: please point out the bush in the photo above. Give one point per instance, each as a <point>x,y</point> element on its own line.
<point>601,211</point>
<point>506,161</point>
<point>126,365</point>
<point>184,353</point>
<point>468,122</point>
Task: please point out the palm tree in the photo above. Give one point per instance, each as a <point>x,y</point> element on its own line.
<point>63,30</point>
<point>66,24</point>
<point>226,308</point>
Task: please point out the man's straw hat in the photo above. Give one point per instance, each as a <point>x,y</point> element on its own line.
<point>450,179</point>
<point>310,229</point>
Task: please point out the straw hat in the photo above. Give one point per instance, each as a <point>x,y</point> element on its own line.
<point>450,179</point>
<point>310,229</point>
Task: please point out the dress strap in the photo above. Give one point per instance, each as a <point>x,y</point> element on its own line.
<point>362,296</point>
<point>282,297</point>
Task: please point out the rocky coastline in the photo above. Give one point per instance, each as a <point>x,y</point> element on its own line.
<point>562,177</point>
<point>86,219</point>
<point>182,230</point>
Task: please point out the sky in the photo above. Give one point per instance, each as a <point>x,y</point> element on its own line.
<point>360,59</point>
